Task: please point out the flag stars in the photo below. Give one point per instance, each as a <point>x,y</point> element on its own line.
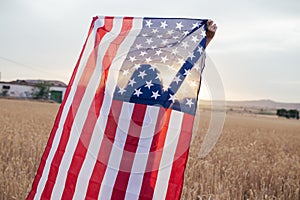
<point>132,58</point>
<point>164,59</point>
<point>175,37</point>
<point>121,90</point>
<point>126,72</point>
<point>137,66</point>
<point>181,61</point>
<point>170,32</point>
<point>138,46</point>
<point>143,53</point>
<point>171,68</point>
<point>153,47</point>
<point>185,33</point>
<point>179,25</point>
<point>193,84</point>
<point>191,55</point>
<point>158,52</point>
<point>166,87</point>
<point>158,76</point>
<point>149,41</point>
<point>189,102</point>
<point>148,60</point>
<point>153,68</point>
<point>195,39</point>
<point>185,45</point>
<point>187,72</point>
<point>177,79</point>
<point>200,49</point>
<point>149,84</point>
<point>137,92</point>
<point>149,23</point>
<point>154,31</point>
<point>174,51</point>
<point>131,82</point>
<point>172,98</point>
<point>155,95</point>
<point>160,66</point>
<point>163,24</point>
<point>164,42</point>
<point>196,25</point>
<point>142,74</point>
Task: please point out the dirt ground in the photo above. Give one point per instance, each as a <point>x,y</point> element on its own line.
<point>256,157</point>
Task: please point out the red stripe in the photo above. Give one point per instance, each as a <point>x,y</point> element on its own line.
<point>57,120</point>
<point>83,82</point>
<point>150,176</point>
<point>104,151</point>
<point>131,144</point>
<point>180,158</point>
<point>93,114</point>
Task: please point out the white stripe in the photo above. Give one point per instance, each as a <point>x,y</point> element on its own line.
<point>88,49</point>
<point>166,162</point>
<point>142,152</point>
<point>116,152</point>
<point>82,113</point>
<point>91,157</point>
<point>93,149</point>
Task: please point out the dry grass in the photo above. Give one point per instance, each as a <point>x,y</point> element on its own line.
<point>255,158</point>
<point>24,130</point>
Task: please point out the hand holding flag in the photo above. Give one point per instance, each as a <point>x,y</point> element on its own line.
<point>124,128</point>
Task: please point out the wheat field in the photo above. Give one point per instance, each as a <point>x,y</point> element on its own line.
<point>256,157</point>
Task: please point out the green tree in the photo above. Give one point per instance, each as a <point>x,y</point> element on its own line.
<point>4,93</point>
<point>41,90</point>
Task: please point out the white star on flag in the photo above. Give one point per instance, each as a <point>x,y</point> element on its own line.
<point>155,94</point>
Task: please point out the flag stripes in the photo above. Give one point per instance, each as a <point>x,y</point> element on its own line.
<point>103,148</point>
<point>167,155</point>
<point>151,172</point>
<point>89,178</point>
<point>104,152</point>
<point>93,114</point>
<point>131,144</point>
<point>140,159</point>
<point>81,93</point>
<point>180,157</point>
<point>64,106</point>
<point>119,114</point>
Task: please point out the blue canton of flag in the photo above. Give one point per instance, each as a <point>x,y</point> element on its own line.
<point>163,66</point>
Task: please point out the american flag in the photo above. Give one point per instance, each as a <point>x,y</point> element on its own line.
<point>123,130</point>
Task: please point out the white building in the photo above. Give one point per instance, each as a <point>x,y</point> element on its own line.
<point>26,88</point>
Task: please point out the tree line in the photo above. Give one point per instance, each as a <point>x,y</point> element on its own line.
<point>294,114</point>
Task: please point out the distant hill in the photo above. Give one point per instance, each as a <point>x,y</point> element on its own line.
<point>264,103</point>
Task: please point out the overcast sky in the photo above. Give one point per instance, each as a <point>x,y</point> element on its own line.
<point>256,49</point>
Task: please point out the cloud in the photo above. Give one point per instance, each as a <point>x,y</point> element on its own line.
<point>278,7</point>
<point>270,34</point>
<point>286,82</point>
<point>256,39</point>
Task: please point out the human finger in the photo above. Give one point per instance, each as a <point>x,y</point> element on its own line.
<point>209,22</point>
<point>214,27</point>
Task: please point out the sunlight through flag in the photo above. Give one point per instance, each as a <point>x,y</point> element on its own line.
<point>124,128</point>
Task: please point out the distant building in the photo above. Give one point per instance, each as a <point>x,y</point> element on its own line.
<point>26,88</point>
